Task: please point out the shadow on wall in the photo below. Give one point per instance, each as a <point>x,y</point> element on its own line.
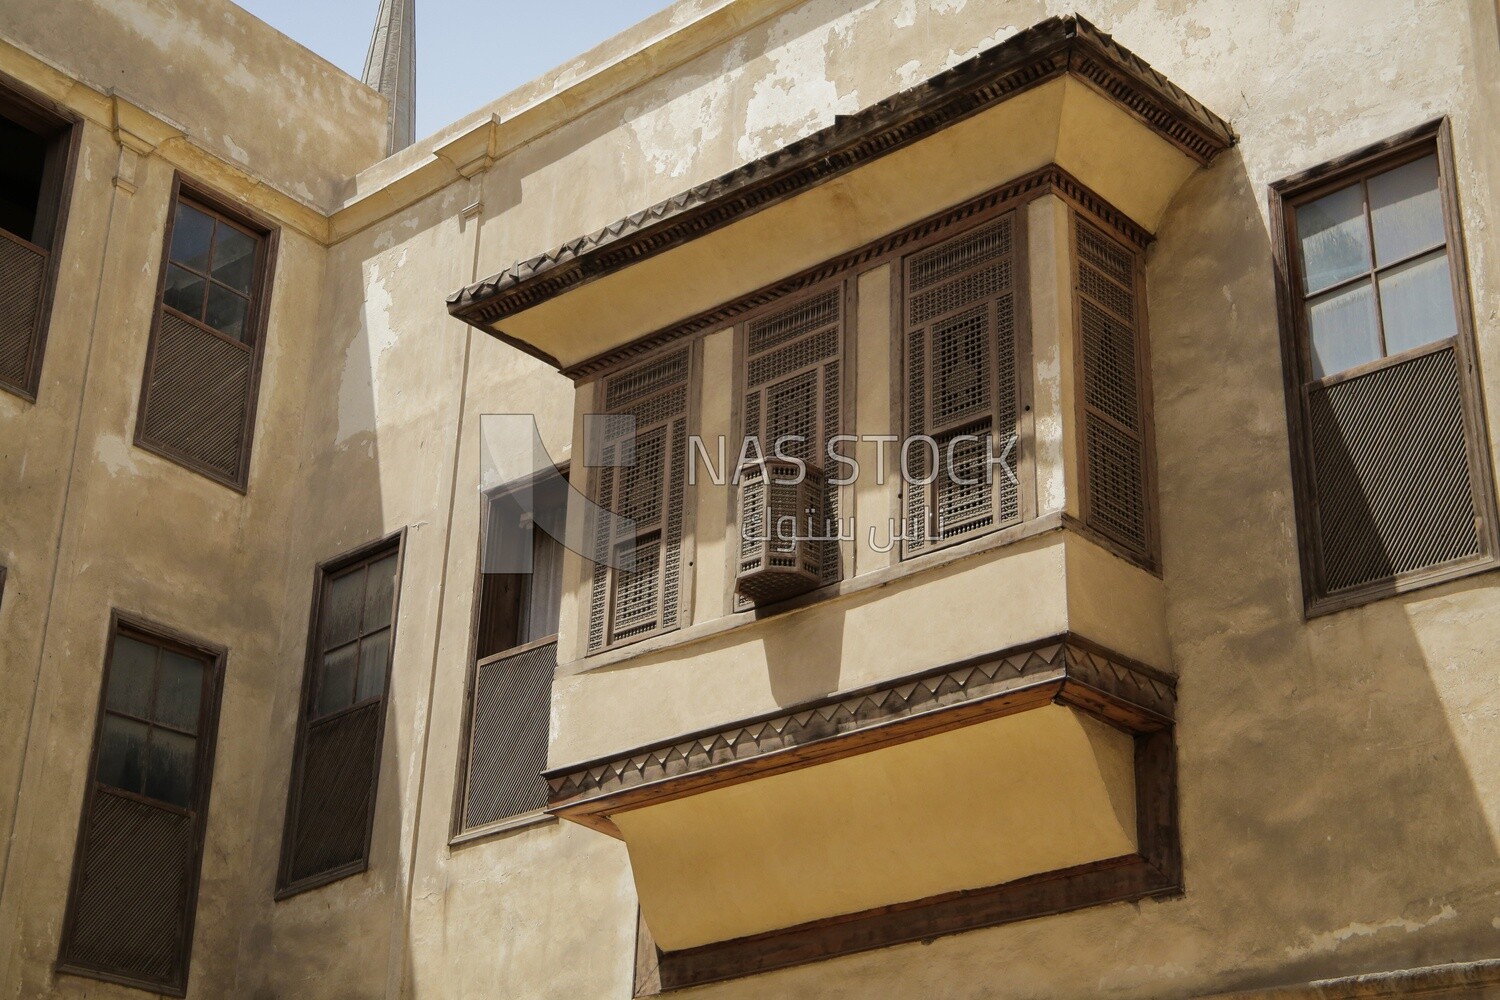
<point>1331,822</point>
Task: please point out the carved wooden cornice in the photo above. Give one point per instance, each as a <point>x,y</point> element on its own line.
<point>1051,48</point>
<point>1065,670</point>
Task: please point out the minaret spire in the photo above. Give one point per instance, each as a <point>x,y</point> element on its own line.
<point>391,68</point>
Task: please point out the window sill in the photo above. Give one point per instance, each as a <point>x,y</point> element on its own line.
<point>508,825</point>
<point>713,628</point>
<point>1318,607</point>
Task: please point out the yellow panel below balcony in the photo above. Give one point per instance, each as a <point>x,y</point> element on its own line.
<point>968,808</point>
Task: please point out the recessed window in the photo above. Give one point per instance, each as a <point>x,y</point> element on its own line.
<point>1393,478</point>
<point>515,648</point>
<point>203,365</point>
<point>130,915</point>
<point>36,158</point>
<point>336,764</point>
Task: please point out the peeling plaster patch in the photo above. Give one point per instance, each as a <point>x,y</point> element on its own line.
<point>907,15</point>
<point>796,97</point>
<point>235,150</point>
<point>910,74</point>
<point>359,391</point>
<point>1330,941</point>
<point>954,58</point>
<point>114,454</point>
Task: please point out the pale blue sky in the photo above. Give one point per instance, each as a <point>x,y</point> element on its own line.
<point>468,51</point>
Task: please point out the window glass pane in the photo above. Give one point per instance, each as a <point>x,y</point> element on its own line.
<point>345,598</point>
<point>169,775</point>
<point>122,753</point>
<point>379,593</point>
<point>132,669</point>
<point>184,291</point>
<point>1406,210</point>
<point>1416,301</point>
<point>191,233</point>
<point>336,679</point>
<point>1335,240</point>
<point>227,312</point>
<point>374,653</point>
<point>179,691</point>
<point>1344,332</point>
<point>234,258</point>
<point>542,595</point>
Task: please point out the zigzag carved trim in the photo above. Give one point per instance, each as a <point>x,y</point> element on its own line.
<point>1086,675</point>
<point>1046,50</point>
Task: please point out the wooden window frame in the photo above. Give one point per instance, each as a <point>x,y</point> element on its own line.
<point>1148,558</point>
<point>1433,137</point>
<point>394,543</point>
<point>1025,452</point>
<point>458,833</point>
<point>215,657</point>
<point>692,381</point>
<point>268,236</point>
<point>39,114</point>
<point>848,282</point>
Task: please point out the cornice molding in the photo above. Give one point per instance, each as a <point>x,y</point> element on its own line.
<point>1051,48</point>
<point>1066,669</point>
<point>1051,179</point>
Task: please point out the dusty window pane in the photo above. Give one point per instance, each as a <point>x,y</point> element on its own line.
<point>132,668</point>
<point>341,612</point>
<point>1406,210</point>
<point>336,680</point>
<point>1416,301</point>
<point>1335,240</point>
<point>191,233</point>
<point>184,291</point>
<point>169,775</point>
<point>379,593</point>
<point>179,692</point>
<point>226,312</point>
<point>234,258</point>
<point>122,753</point>
<point>1344,332</point>
<point>374,653</point>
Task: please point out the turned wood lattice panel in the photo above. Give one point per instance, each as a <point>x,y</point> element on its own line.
<point>961,386</point>
<point>636,584</point>
<point>1115,458</point>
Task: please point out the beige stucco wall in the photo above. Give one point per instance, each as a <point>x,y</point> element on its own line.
<point>1340,785</point>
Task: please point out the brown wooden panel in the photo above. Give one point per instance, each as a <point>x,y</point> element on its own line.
<point>337,793</point>
<point>23,273</point>
<point>198,396</point>
<point>508,733</point>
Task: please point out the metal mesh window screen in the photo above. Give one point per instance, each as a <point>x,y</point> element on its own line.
<point>331,802</point>
<point>1392,475</point>
<point>962,391</point>
<point>130,913</point>
<point>793,390</point>
<point>1115,456</point>
<point>641,599</point>
<point>508,749</point>
<point>23,269</point>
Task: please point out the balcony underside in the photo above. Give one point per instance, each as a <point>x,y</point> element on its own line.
<point>1059,95</point>
<point>923,806</point>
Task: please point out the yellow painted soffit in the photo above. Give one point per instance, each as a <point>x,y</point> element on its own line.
<point>973,807</point>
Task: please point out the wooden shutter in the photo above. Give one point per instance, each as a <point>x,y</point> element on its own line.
<point>1112,408</point>
<point>640,600</point>
<point>794,388</point>
<point>961,386</point>
<point>203,363</point>
<point>336,765</point>
<point>135,879</point>
<point>508,735</point>
<point>42,146</point>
